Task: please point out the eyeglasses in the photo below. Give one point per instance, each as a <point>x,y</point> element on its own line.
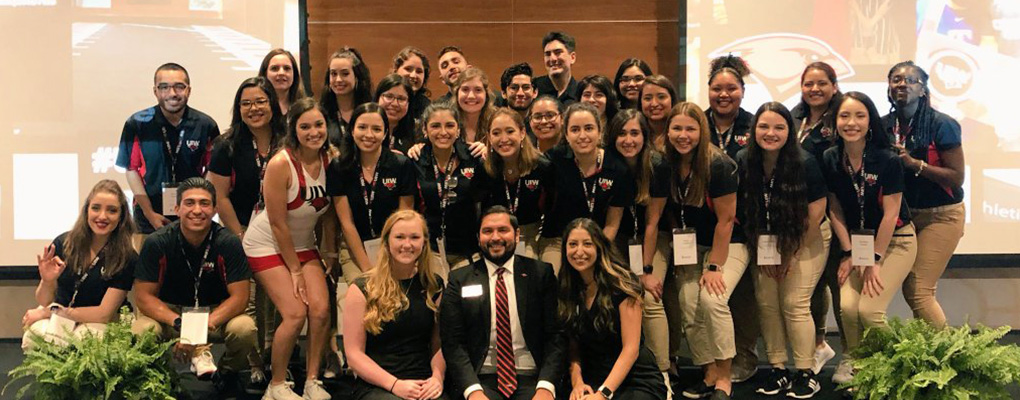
<point>545,117</point>
<point>518,88</point>
<point>177,87</point>
<point>400,100</point>
<point>635,79</point>
<point>248,104</point>
<point>896,80</point>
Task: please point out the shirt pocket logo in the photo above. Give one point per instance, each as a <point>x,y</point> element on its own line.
<point>531,184</point>
<point>871,179</point>
<point>389,183</point>
<point>468,172</point>
<point>605,184</point>
<point>193,144</point>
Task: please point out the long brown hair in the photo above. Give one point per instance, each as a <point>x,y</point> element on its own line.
<point>644,157</point>
<point>701,165</point>
<point>527,159</point>
<point>118,250</point>
<point>384,298</point>
<point>487,109</point>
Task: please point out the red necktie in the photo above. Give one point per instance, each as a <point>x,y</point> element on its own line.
<point>506,370</point>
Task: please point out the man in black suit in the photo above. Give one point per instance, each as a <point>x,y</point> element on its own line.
<point>501,337</point>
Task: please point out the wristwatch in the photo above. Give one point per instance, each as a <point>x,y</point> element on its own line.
<point>847,254</point>
<point>177,323</point>
<point>713,267</point>
<point>647,269</point>
<point>605,392</point>
<point>878,257</point>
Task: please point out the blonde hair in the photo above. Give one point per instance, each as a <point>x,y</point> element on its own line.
<point>701,165</point>
<point>384,299</point>
<point>528,157</point>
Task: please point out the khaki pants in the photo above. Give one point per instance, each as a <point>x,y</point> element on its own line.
<point>654,323</point>
<point>786,303</point>
<point>707,320</point>
<point>238,334</point>
<point>939,230</point>
<point>38,328</point>
<point>861,312</point>
<point>550,250</point>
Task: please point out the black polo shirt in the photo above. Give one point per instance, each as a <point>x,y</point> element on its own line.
<point>613,186</point>
<point>883,175</point>
<point>404,136</point>
<point>945,134</point>
<point>144,148</point>
<point>822,136</point>
<point>169,260</point>
<point>396,178</point>
<point>93,288</point>
<point>736,137</point>
<point>658,187</point>
<point>544,85</point>
<point>461,212</point>
<point>240,164</point>
<point>722,181</point>
<point>815,188</point>
<point>527,192</point>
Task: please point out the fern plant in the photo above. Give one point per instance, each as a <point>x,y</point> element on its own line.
<point>118,365</point>
<point>914,360</point>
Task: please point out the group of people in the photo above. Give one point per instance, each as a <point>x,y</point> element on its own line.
<point>559,238</point>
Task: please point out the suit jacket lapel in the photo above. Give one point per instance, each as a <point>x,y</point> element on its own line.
<point>521,271</point>
<point>482,278</point>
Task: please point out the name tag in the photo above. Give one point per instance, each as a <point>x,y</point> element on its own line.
<point>768,250</point>
<point>862,248</point>
<point>372,249</point>
<point>685,247</point>
<point>195,326</point>
<point>636,256</point>
<point>169,198</point>
<point>471,291</point>
<point>59,328</point>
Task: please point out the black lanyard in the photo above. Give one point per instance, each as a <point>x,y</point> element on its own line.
<point>444,186</point>
<point>725,137</point>
<point>858,186</point>
<point>513,203</point>
<point>767,195</point>
<point>590,199</point>
<point>368,194</point>
<point>77,284</point>
<point>172,154</point>
<point>260,204</point>
<point>201,262</point>
<point>682,194</point>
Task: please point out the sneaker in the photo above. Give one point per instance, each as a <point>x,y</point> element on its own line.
<point>740,373</point>
<point>844,371</point>
<point>283,391</point>
<point>202,364</point>
<point>804,385</point>
<point>315,391</point>
<point>822,355</point>
<point>718,394</point>
<point>699,391</point>
<point>777,382</point>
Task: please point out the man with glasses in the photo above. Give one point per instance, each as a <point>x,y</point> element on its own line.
<point>163,145</point>
<point>518,89</point>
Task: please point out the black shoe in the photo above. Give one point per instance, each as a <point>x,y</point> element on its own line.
<point>699,391</point>
<point>777,382</point>
<point>719,395</point>
<point>804,385</point>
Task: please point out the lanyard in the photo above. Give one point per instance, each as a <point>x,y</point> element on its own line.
<point>172,155</point>
<point>590,199</point>
<point>725,137</point>
<point>201,263</point>
<point>260,204</point>
<point>682,194</point>
<point>77,284</point>
<point>858,186</point>
<point>368,194</point>
<point>901,139</point>
<point>443,187</point>
<point>805,130</point>
<point>517,197</point>
<point>633,215</point>
<point>767,194</point>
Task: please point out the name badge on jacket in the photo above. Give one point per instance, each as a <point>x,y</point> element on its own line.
<point>471,291</point>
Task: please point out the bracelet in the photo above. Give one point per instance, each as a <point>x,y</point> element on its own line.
<point>920,169</point>
<point>394,384</point>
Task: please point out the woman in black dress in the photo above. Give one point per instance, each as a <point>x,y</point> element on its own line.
<point>600,304</point>
<point>390,333</point>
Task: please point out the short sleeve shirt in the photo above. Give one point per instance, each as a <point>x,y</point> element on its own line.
<point>945,134</point>
<point>169,260</point>
<point>394,178</point>
<point>633,222</point>
<point>460,215</point>
<point>722,181</point>
<point>93,288</point>
<point>524,197</point>
<point>611,186</point>
<point>882,175</point>
<point>815,188</point>
<point>245,171</point>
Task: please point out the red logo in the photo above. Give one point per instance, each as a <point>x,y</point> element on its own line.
<point>871,179</point>
<point>826,132</point>
<point>468,172</point>
<point>389,183</point>
<point>319,203</point>
<point>742,139</point>
<point>605,184</point>
<point>193,145</point>
<point>531,184</point>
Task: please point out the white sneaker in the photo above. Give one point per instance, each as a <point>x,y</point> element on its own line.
<point>315,391</point>
<point>822,356</point>
<point>202,364</point>
<point>844,371</point>
<point>282,391</point>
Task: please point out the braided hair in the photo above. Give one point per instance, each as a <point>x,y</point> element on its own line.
<point>923,120</point>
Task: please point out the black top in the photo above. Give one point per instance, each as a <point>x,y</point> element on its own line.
<point>816,186</point>
<point>883,175</point>
<point>92,290</point>
<point>163,261</point>
<point>736,137</point>
<point>404,136</point>
<point>722,181</point>
<point>417,105</point>
<point>336,129</point>
<point>822,135</point>
<point>544,85</point>
<point>461,212</point>
<point>658,187</point>
<point>523,197</point>
<point>599,350</point>
<point>945,134</point>
<point>404,347</point>
<point>395,177</point>
<point>245,172</point>
<point>613,186</point>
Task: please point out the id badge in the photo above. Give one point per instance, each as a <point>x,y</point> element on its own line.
<point>470,291</point>
<point>372,249</point>
<point>862,248</point>
<point>441,245</point>
<point>195,325</point>
<point>169,198</point>
<point>59,328</point>
<point>685,247</point>
<point>636,256</point>
<point>768,250</point>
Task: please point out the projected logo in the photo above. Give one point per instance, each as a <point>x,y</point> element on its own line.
<point>952,74</point>
<point>777,60</point>
<point>103,159</point>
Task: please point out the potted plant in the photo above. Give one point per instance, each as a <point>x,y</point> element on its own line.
<point>118,365</point>
<point>914,360</point>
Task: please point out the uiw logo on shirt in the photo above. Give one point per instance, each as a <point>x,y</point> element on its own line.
<point>531,184</point>
<point>468,172</point>
<point>871,179</point>
<point>193,144</point>
<point>605,184</point>
<point>389,183</point>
